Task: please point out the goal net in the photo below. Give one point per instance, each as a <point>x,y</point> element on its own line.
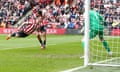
<point>96,51</point>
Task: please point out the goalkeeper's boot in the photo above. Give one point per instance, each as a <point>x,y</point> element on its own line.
<point>110,53</point>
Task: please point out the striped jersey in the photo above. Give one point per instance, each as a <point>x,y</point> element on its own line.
<point>30,27</point>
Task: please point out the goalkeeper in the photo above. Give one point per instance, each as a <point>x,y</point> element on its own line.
<point>96,28</point>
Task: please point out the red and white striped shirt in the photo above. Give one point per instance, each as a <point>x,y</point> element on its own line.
<point>30,27</point>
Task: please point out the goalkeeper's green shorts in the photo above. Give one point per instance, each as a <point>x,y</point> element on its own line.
<point>94,33</point>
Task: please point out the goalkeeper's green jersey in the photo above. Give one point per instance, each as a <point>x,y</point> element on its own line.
<point>96,20</point>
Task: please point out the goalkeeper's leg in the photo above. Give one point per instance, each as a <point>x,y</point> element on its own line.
<point>83,44</point>
<point>92,34</point>
<point>105,44</point>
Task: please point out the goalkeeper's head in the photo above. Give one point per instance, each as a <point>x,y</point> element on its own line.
<point>82,10</point>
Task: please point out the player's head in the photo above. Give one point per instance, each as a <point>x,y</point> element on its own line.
<point>39,13</point>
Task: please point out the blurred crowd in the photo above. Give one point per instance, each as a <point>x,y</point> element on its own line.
<point>110,9</point>
<point>62,14</point>
<point>59,13</point>
<point>13,10</point>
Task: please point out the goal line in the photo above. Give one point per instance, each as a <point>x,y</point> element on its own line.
<point>100,63</point>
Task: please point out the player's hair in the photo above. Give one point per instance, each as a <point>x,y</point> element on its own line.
<point>40,12</point>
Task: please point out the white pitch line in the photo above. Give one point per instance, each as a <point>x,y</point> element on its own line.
<point>74,69</point>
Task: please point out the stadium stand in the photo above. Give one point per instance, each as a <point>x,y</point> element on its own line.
<point>60,14</point>
<point>13,10</point>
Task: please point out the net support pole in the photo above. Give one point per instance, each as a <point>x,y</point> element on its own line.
<point>86,32</point>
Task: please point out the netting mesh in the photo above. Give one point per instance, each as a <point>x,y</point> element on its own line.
<point>110,10</point>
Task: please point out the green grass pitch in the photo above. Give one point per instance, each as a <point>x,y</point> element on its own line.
<point>63,52</point>
<point>25,55</point>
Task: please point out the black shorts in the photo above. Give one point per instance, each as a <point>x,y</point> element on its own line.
<point>22,34</point>
<point>42,29</point>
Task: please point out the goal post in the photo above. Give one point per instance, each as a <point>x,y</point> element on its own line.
<point>86,32</point>
<point>95,52</point>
